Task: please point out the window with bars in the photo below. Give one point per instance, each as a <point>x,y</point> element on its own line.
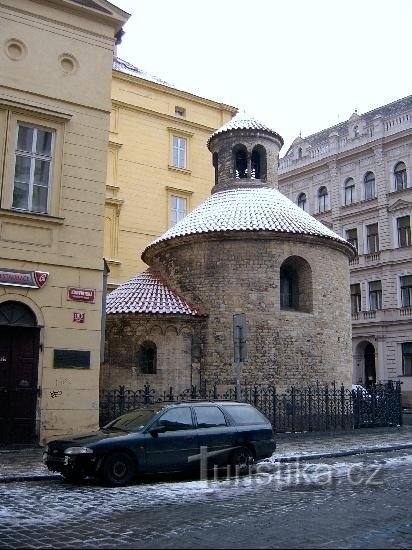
<point>369,185</point>
<point>375,295</point>
<point>178,209</point>
<point>352,237</point>
<point>349,191</point>
<point>355,298</point>
<point>179,152</point>
<point>400,178</point>
<point>32,169</point>
<point>406,291</point>
<point>147,358</point>
<point>404,231</point>
<point>407,358</point>
<point>372,238</point>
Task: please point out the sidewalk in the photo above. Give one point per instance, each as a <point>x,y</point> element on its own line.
<point>26,464</point>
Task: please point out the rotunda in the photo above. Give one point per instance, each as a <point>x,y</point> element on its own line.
<point>247,249</point>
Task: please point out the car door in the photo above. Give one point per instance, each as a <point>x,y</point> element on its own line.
<point>171,440</point>
<point>215,433</point>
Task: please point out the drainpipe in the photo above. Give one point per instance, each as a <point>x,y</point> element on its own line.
<point>106,272</point>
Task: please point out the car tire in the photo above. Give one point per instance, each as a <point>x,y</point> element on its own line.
<point>242,461</point>
<point>73,476</point>
<point>118,469</point>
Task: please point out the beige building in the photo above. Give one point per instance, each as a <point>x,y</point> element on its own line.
<point>158,166</point>
<point>55,77</point>
<point>356,178</point>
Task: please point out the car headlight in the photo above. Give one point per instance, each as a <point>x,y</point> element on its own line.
<point>78,451</point>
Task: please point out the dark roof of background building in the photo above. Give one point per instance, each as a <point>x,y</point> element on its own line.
<point>148,292</point>
<point>127,68</point>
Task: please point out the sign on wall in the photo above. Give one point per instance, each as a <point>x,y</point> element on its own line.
<point>71,359</point>
<point>79,317</point>
<point>81,294</point>
<point>28,279</point>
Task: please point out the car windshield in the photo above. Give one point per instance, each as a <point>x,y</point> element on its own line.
<point>132,421</point>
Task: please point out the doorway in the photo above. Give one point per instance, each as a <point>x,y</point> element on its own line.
<point>370,370</point>
<point>19,355</point>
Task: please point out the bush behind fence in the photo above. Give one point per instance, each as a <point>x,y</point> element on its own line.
<point>312,408</point>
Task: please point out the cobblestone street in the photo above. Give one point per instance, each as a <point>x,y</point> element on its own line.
<point>360,501</point>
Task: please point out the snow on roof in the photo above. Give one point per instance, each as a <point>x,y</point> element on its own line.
<point>242,121</point>
<point>127,68</point>
<point>248,209</point>
<point>148,292</point>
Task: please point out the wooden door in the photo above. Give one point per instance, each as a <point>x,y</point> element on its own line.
<point>19,350</point>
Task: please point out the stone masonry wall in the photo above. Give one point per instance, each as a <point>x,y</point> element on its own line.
<point>177,362</point>
<point>240,274</point>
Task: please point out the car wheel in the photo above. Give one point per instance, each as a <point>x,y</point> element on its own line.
<point>118,469</point>
<point>73,476</point>
<point>242,461</point>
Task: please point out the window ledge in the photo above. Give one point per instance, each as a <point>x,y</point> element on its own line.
<point>398,191</point>
<point>113,262</point>
<point>20,214</point>
<point>180,170</point>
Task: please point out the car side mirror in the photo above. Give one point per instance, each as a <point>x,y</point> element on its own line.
<point>156,430</point>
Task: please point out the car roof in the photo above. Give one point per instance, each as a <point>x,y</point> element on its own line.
<point>195,402</point>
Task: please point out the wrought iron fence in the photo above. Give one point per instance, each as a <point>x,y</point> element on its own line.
<point>312,408</point>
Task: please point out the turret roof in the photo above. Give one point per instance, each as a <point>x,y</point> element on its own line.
<point>242,121</point>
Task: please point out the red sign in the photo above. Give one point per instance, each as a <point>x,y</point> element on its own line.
<point>79,317</point>
<point>29,279</point>
<point>81,294</point>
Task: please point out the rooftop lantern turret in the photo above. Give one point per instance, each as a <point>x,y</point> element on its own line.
<point>245,153</point>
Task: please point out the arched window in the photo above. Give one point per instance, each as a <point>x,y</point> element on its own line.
<point>16,314</point>
<point>323,199</point>
<point>369,185</point>
<point>349,191</point>
<point>399,173</point>
<point>240,161</point>
<point>302,201</point>
<point>147,358</point>
<point>300,153</point>
<point>296,285</point>
<point>215,166</point>
<point>258,163</point>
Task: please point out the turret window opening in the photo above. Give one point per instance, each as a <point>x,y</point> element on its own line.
<point>147,358</point>
<point>240,161</point>
<point>258,163</point>
<point>215,166</point>
<point>296,285</point>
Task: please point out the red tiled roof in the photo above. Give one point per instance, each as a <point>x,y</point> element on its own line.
<point>148,292</point>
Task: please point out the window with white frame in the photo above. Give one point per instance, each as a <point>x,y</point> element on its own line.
<point>179,151</point>
<point>375,295</point>
<point>32,169</point>
<point>406,291</point>
<point>355,298</point>
<point>352,237</point>
<point>400,179</point>
<point>349,191</point>
<point>372,238</point>
<point>407,358</point>
<point>323,199</point>
<point>302,201</point>
<point>178,208</point>
<point>403,225</point>
<point>369,185</point>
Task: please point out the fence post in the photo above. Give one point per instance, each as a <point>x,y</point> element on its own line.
<point>121,400</point>
<point>274,396</point>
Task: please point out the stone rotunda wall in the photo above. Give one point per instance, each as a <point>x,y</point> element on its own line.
<point>240,273</point>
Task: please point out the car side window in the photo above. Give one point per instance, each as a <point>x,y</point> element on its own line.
<point>209,417</point>
<point>244,414</point>
<point>175,419</point>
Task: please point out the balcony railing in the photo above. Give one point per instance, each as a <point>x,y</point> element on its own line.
<point>405,311</point>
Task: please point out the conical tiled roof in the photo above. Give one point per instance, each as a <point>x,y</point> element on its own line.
<point>248,209</point>
<point>148,292</point>
<point>242,121</point>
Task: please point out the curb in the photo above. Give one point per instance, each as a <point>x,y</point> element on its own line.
<point>281,459</point>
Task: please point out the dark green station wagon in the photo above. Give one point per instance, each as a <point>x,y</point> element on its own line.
<point>173,438</point>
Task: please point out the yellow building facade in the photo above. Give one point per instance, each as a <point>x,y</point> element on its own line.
<point>158,168</point>
<point>56,67</point>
